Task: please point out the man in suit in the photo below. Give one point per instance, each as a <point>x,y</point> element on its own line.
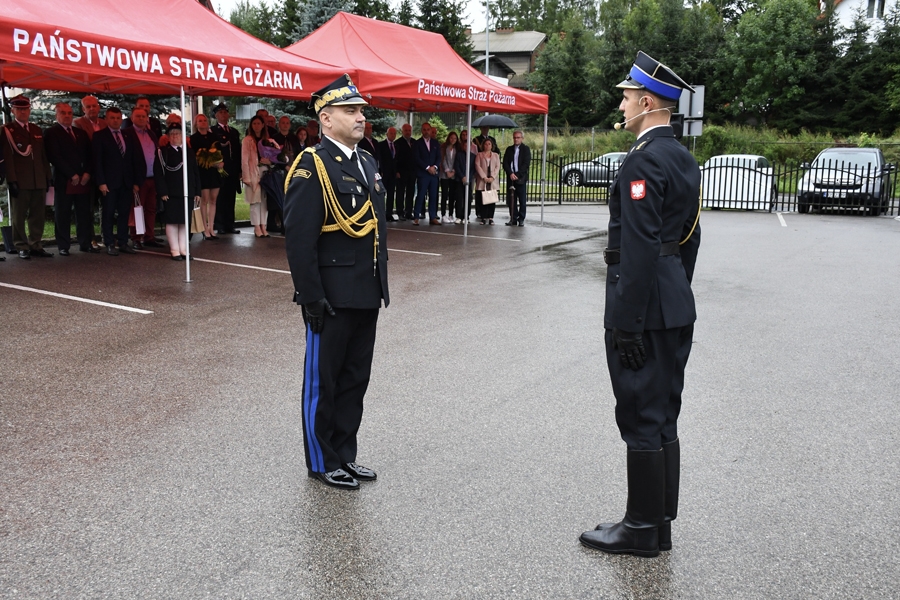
<point>91,122</point>
<point>516,162</point>
<point>387,166</point>
<point>69,151</point>
<point>335,237</point>
<point>654,236</point>
<point>428,160</point>
<point>406,173</point>
<point>147,142</point>
<point>229,143</point>
<point>153,124</point>
<point>369,143</point>
<point>28,178</point>
<point>119,171</point>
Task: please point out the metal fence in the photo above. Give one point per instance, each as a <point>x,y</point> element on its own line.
<point>737,182</point>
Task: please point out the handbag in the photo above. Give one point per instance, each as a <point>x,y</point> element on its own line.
<point>489,196</point>
<point>197,220</point>
<point>136,218</point>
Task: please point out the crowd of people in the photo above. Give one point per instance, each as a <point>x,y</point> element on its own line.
<point>120,162</point>
<point>416,169</point>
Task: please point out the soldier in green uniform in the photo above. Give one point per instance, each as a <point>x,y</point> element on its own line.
<point>334,227</point>
<point>28,176</point>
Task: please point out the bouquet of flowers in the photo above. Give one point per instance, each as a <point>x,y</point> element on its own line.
<point>271,150</point>
<point>211,158</point>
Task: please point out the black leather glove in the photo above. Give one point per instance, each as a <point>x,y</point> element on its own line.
<point>631,348</point>
<point>314,314</point>
<point>13,189</point>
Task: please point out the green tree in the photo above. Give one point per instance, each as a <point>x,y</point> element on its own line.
<point>770,56</point>
<point>315,13</point>
<point>405,14</point>
<point>288,23</point>
<point>446,18</point>
<point>257,20</point>
<point>566,74</point>
<point>373,9</point>
<point>886,56</point>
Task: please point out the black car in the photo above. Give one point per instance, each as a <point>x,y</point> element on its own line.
<point>847,178</point>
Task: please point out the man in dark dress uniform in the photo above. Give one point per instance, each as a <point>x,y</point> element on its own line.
<point>28,178</point>
<point>653,241</point>
<point>335,240</point>
<point>229,143</point>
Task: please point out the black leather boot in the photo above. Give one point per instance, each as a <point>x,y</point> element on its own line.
<point>637,533</point>
<point>672,453</point>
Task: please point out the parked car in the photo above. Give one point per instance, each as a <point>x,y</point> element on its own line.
<point>599,171</point>
<point>744,181</point>
<point>857,178</point>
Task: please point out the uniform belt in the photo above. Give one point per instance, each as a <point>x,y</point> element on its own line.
<point>612,256</point>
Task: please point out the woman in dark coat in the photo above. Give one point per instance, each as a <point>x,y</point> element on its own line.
<point>168,172</point>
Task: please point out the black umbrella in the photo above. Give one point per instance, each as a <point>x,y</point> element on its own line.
<point>494,121</point>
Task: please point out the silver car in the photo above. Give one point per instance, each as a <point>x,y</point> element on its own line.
<point>599,171</point>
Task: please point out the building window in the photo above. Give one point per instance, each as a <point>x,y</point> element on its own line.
<point>875,9</point>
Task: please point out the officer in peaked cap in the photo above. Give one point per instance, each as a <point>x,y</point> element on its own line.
<point>28,177</point>
<point>334,227</point>
<point>228,140</point>
<point>654,234</point>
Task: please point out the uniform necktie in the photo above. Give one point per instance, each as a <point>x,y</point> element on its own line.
<point>119,141</point>
<point>391,146</point>
<point>72,133</point>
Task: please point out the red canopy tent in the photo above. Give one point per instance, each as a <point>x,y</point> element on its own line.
<point>169,47</point>
<point>408,69</point>
<point>119,47</point>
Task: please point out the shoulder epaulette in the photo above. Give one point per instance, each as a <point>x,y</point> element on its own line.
<point>295,171</point>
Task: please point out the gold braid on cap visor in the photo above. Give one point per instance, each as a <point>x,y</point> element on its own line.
<point>333,95</point>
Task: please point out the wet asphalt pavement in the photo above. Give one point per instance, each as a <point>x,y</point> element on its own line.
<point>160,455</point>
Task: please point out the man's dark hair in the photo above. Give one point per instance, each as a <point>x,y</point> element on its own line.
<point>114,110</point>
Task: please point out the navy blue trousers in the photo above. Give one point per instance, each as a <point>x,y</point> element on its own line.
<point>335,378</point>
<point>429,184</point>
<point>648,400</point>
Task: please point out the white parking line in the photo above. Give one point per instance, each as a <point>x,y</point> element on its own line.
<point>414,252</point>
<point>77,299</point>
<point>780,218</point>
<point>483,237</point>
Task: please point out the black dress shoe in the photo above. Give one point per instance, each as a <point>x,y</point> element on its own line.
<point>510,223</point>
<point>521,223</point>
<point>360,472</point>
<point>179,257</point>
<point>41,253</point>
<point>138,245</point>
<point>152,244</point>
<point>111,250</point>
<point>127,249</point>
<point>338,478</point>
<point>93,249</point>
<point>64,252</point>
<point>24,254</point>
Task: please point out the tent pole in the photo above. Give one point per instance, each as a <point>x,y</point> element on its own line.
<point>544,170</point>
<point>468,171</point>
<point>184,179</point>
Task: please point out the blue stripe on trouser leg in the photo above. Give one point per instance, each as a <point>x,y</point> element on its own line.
<point>311,401</point>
